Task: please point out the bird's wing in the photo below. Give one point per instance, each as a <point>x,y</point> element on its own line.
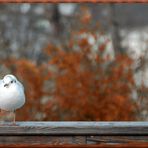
<point>1,83</point>
<point>21,85</point>
<point>1,87</point>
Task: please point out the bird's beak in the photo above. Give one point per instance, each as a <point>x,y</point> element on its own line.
<point>6,85</point>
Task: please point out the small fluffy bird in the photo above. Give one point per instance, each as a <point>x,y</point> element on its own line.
<point>12,94</point>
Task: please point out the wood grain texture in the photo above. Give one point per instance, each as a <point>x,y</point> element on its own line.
<point>74,128</point>
<point>51,140</point>
<point>74,134</point>
<point>79,140</point>
<point>73,1</point>
<point>116,139</point>
<point>132,145</point>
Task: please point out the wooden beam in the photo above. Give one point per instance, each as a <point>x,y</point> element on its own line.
<point>74,134</point>
<point>74,128</point>
<point>73,1</point>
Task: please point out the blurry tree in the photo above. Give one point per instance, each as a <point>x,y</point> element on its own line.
<point>142,89</point>
<point>87,89</point>
<point>115,31</point>
<point>75,81</point>
<point>56,19</point>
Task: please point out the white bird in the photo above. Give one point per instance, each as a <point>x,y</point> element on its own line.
<point>12,94</point>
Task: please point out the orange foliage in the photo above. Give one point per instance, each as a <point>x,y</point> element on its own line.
<point>87,90</point>
<point>76,84</point>
<point>84,88</point>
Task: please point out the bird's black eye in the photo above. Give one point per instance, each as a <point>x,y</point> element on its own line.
<point>11,81</point>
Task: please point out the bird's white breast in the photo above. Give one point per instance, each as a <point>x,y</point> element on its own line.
<point>11,98</point>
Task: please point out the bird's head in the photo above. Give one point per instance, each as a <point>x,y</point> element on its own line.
<point>9,79</point>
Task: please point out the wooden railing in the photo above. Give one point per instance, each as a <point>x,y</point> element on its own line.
<point>46,134</point>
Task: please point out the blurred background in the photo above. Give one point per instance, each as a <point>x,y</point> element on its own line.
<point>78,62</point>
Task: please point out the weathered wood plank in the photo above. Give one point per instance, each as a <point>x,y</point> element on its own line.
<point>51,140</point>
<point>74,128</point>
<point>60,140</point>
<point>87,134</point>
<point>116,139</point>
